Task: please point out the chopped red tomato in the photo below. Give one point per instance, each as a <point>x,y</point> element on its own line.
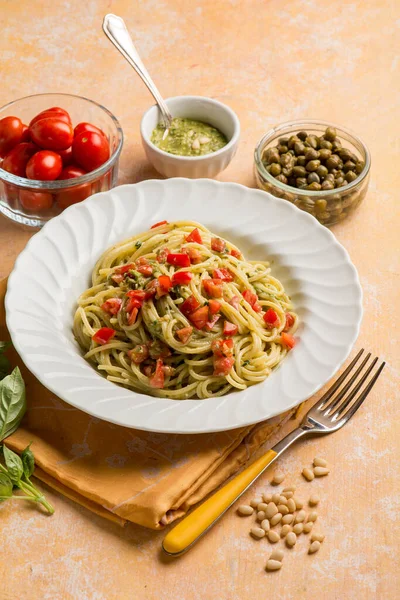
<point>139,295</point>
<point>271,318</point>
<point>218,245</point>
<point>124,269</point>
<point>139,353</point>
<point>288,340</point>
<point>213,287</point>
<point>103,335</point>
<point>210,324</point>
<point>223,274</point>
<point>135,300</point>
<point>184,334</point>
<point>194,255</point>
<point>117,278</point>
<point>235,253</point>
<point>222,366</point>
<point>178,260</point>
<point>252,299</point>
<point>159,350</point>
<point>150,289</point>
<point>230,328</point>
<point>157,380</point>
<point>189,306</point>
<point>159,224</point>
<point>214,306</point>
<point>133,316</point>
<point>162,255</point>
<point>199,317</point>
<point>112,306</point>
<point>164,285</point>
<point>194,236</point>
<point>289,322</point>
<point>222,347</point>
<point>235,302</point>
<point>144,267</point>
<point>181,278</point>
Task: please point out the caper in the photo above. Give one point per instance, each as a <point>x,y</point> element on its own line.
<point>330,177</point>
<point>340,164</point>
<point>314,186</point>
<point>322,171</point>
<point>301,181</point>
<point>350,176</point>
<point>311,154</point>
<point>285,160</point>
<point>330,134</point>
<point>287,171</point>
<point>299,171</point>
<point>291,152</point>
<point>271,155</point>
<point>282,148</point>
<point>301,161</point>
<point>339,181</point>
<point>283,141</point>
<point>327,185</point>
<point>281,178</point>
<point>332,162</point>
<point>274,169</point>
<point>359,166</point>
<point>339,173</point>
<point>336,145</point>
<point>312,141</point>
<point>344,154</point>
<point>313,165</point>
<point>313,177</point>
<point>324,154</point>
<point>299,148</point>
<point>349,166</point>
<point>320,204</point>
<point>292,141</point>
<point>325,144</point>
<point>303,186</point>
<point>302,135</point>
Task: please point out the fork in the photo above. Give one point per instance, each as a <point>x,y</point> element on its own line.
<point>330,413</point>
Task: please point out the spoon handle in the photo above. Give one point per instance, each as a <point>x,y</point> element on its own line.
<point>116,31</point>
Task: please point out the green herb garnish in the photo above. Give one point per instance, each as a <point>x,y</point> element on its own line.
<point>246,362</point>
<point>138,244</point>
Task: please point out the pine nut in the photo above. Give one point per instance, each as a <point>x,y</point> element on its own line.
<point>283,509</point>
<point>275,519</point>
<point>255,502</point>
<point>317,537</point>
<point>314,500</point>
<point>308,526</point>
<point>196,144</point>
<point>277,554</point>
<point>288,494</point>
<point>291,505</point>
<point>291,539</point>
<point>307,474</point>
<point>267,498</point>
<point>204,139</point>
<point>278,478</point>
<point>299,503</point>
<point>320,462</point>
<point>271,510</point>
<point>321,471</point>
<point>276,498</point>
<point>285,530</point>
<point>265,525</point>
<point>257,532</point>
<point>287,519</point>
<point>314,547</point>
<point>273,536</point>
<point>290,488</point>
<point>313,516</point>
<point>273,565</point>
<point>262,506</point>
<point>298,528</point>
<point>301,515</point>
<point>245,510</point>
<point>283,500</point>
<point>261,515</point>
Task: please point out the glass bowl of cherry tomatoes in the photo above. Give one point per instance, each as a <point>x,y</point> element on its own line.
<point>55,151</point>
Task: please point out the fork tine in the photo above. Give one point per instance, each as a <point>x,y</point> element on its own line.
<point>333,404</point>
<point>350,412</point>
<point>327,396</point>
<point>347,401</point>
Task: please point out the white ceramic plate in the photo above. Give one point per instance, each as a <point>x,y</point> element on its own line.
<point>55,268</point>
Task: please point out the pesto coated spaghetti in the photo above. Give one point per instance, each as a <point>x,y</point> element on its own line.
<point>179,313</point>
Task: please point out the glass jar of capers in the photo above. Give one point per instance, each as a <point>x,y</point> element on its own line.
<point>321,168</point>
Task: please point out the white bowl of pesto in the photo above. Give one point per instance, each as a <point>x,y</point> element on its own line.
<point>201,142</point>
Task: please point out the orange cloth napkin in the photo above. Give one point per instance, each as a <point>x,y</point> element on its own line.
<point>125,474</point>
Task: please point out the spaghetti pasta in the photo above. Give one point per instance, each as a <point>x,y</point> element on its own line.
<point>177,312</point>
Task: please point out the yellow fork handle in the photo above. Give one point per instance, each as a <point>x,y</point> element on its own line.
<point>190,529</point>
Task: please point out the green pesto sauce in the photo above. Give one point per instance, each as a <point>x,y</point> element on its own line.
<point>187,137</point>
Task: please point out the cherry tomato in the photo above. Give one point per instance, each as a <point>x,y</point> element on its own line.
<point>66,156</point>
<point>11,130</point>
<point>199,317</point>
<point>88,128</point>
<point>35,201</point>
<point>189,305</point>
<point>26,136</point>
<point>52,133</point>
<point>71,171</point>
<point>73,195</point>
<point>178,260</point>
<point>218,245</point>
<point>16,160</point>
<point>213,287</point>
<point>57,112</point>
<point>45,165</point>
<point>10,194</point>
<point>90,150</point>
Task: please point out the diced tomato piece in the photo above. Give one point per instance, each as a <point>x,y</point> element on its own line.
<point>222,347</point>
<point>139,295</point>
<point>144,267</point>
<point>194,255</point>
<point>159,224</point>
<point>139,353</point>
<point>218,245</point>
<point>223,274</point>
<point>214,306</point>
<point>252,299</point>
<point>199,317</point>
<point>112,306</point>
<point>181,278</point>
<point>288,340</point>
<point>150,289</point>
<point>189,306</point>
<point>157,380</point>
<point>289,322</point>
<point>178,260</point>
<point>133,303</point>
<point>194,236</point>
<point>235,302</point>
<point>164,285</point>
<point>184,334</point>
<point>222,366</point>
<point>213,287</point>
<point>271,318</point>
<point>230,328</point>
<point>162,256</point>
<point>159,350</point>
<point>235,253</point>
<point>124,269</point>
<point>103,335</point>
<point>210,324</point>
<point>117,278</point>
<point>133,316</point>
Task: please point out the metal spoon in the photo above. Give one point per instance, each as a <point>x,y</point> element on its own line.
<point>116,31</point>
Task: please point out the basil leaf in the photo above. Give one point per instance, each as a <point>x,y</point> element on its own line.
<point>28,461</point>
<point>6,486</point>
<point>12,403</point>
<point>14,464</point>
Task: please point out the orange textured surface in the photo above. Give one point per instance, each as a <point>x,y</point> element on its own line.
<point>271,62</point>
